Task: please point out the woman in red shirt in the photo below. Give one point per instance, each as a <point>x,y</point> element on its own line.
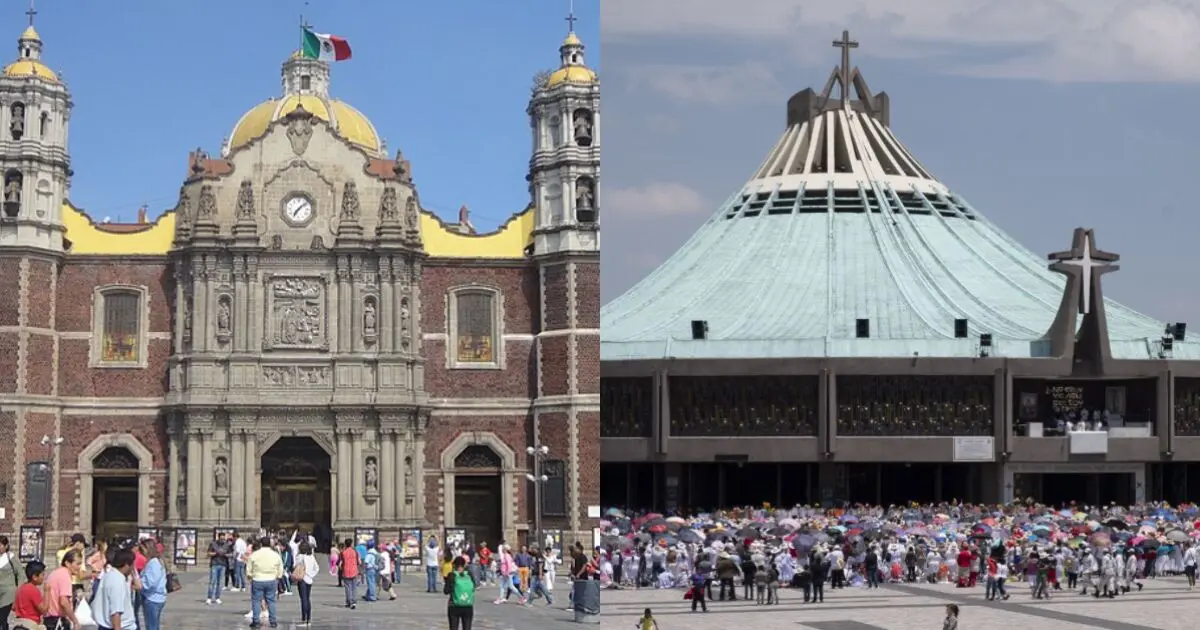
<point>29,605</point>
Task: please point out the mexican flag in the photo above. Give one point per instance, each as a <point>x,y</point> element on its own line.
<point>325,47</point>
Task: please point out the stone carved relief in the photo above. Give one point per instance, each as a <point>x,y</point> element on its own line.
<point>295,376</point>
<point>350,205</point>
<point>224,317</point>
<point>300,131</point>
<point>317,244</point>
<point>276,242</point>
<point>187,317</point>
<point>221,476</point>
<point>297,311</point>
<point>207,207</point>
<point>371,475</point>
<point>389,206</point>
<point>183,210</point>
<point>245,201</point>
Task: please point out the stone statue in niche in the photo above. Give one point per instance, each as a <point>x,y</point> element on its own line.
<point>405,324</point>
<point>245,201</point>
<point>584,195</point>
<point>276,242</point>
<point>371,472</point>
<point>369,318</point>
<point>17,126</point>
<point>221,475</point>
<point>389,206</point>
<point>408,473</point>
<point>187,318</point>
<point>583,127</point>
<point>350,206</point>
<point>207,207</point>
<point>411,214</point>
<point>224,317</point>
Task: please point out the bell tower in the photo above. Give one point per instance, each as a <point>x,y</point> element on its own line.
<point>35,108</point>
<point>564,177</point>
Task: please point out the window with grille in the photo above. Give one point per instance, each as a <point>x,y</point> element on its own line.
<point>554,488</point>
<point>475,327</point>
<point>122,327</point>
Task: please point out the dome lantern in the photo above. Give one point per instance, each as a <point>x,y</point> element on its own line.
<point>573,68</point>
<point>302,75</point>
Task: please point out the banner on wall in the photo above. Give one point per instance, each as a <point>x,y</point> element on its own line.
<point>455,538</point>
<point>364,535</point>
<point>33,544</point>
<point>186,547</point>
<point>410,547</point>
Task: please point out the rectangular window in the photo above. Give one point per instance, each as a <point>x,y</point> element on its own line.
<point>476,330</point>
<point>554,489</point>
<point>37,490</point>
<point>122,327</point>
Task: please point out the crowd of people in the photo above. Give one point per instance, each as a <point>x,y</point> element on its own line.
<point>755,553</point>
<point>124,585</point>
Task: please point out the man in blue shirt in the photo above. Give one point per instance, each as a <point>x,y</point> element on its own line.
<point>154,585</point>
<point>112,605</point>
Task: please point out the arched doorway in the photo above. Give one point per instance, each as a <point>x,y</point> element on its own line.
<point>115,494</point>
<point>477,494</point>
<point>295,488</point>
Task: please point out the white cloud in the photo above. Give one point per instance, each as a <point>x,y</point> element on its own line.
<point>659,199</point>
<point>1058,40</point>
<point>715,85</point>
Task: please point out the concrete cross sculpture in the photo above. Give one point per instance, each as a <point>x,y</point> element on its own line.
<point>1086,264</point>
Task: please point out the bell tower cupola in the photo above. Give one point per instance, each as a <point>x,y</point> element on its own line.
<point>35,109</point>
<point>564,173</point>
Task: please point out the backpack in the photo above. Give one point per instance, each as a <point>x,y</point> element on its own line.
<point>372,561</point>
<point>463,594</point>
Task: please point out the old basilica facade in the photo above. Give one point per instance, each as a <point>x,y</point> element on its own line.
<point>297,342</point>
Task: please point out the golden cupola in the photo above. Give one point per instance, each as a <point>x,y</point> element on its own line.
<point>306,84</point>
<point>574,68</point>
<point>29,58</point>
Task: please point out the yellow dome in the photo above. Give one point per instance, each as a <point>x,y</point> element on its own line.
<point>31,34</point>
<point>30,68</point>
<point>571,74</point>
<point>349,122</point>
<point>572,40</point>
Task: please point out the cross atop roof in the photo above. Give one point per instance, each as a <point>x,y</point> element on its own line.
<point>571,17</point>
<point>1086,262</point>
<point>845,43</point>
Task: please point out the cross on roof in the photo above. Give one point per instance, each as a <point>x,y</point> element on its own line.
<point>1089,262</point>
<point>31,12</point>
<point>845,43</point>
<point>571,17</point>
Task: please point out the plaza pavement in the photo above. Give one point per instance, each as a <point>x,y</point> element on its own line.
<point>413,609</point>
<point>1165,604</point>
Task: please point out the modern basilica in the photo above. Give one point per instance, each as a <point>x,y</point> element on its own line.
<point>298,343</point>
<point>848,328</point>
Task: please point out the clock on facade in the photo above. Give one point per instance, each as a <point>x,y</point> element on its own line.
<point>297,209</point>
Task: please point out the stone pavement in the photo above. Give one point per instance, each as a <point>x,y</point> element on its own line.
<point>918,607</point>
<point>413,609</point>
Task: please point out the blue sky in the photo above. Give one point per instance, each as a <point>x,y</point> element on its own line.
<point>1045,115</point>
<point>446,82</point>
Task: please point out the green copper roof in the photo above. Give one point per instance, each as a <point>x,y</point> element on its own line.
<point>793,284</point>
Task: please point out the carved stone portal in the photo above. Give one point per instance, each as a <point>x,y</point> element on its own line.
<point>298,312</point>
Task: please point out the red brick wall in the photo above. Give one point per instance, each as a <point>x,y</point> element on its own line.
<point>10,290</point>
<point>41,298</point>
<point>39,364</point>
<point>556,289</point>
<point>79,279</point>
<point>589,464</point>
<point>554,363</point>
<point>587,295</point>
<point>8,470</point>
<point>554,431</point>
<point>9,342</point>
<point>587,362</point>
<point>75,378</point>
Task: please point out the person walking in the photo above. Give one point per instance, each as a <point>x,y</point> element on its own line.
<point>60,605</point>
<point>154,585</point>
<point>10,580</point>
<point>113,604</point>
<point>305,570</point>
<point>460,587</point>
<point>537,579</point>
<point>349,573</point>
<point>264,570</point>
<point>371,566</point>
